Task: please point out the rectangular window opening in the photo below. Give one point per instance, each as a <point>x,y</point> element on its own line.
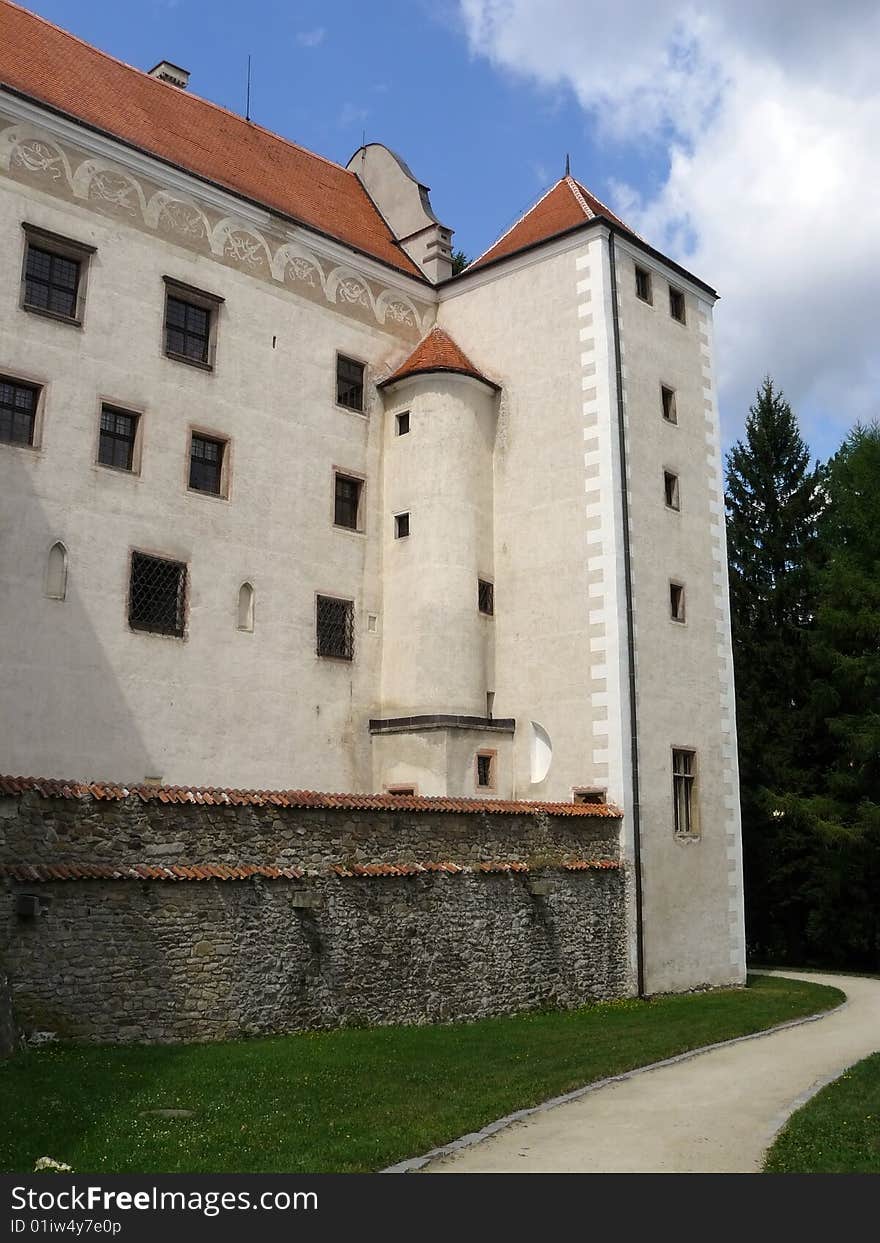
<point>349,383</point>
<point>588,796</point>
<point>676,304</point>
<point>206,464</point>
<point>401,526</point>
<point>486,597</point>
<point>402,423</point>
<point>157,595</point>
<point>406,791</point>
<point>667,397</point>
<point>676,602</point>
<point>335,627</point>
<point>347,502</point>
<point>670,489</point>
<point>117,438</point>
<point>51,282</point>
<point>683,790</point>
<point>486,770</point>
<point>18,411</point>
<point>643,284</point>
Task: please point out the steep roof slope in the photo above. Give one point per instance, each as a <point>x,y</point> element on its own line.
<point>45,63</point>
<point>563,207</point>
<point>437,352</point>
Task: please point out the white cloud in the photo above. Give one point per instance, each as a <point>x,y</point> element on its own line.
<point>311,38</point>
<point>770,118</point>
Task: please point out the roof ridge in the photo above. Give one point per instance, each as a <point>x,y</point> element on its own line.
<point>519,219</point>
<point>577,191</point>
<point>210,103</point>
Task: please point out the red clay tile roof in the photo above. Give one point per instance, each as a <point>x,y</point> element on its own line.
<point>563,207</point>
<point>143,871</point>
<point>46,872</point>
<point>58,788</point>
<point>437,352</point>
<point>47,64</point>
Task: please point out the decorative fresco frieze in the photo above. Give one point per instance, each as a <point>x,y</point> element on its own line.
<point>32,155</point>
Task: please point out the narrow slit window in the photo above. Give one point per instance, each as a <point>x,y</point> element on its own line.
<point>246,607</point>
<point>667,398</point>
<point>56,572</point>
<point>676,602</point>
<point>643,284</point>
<point>676,304</point>
<point>684,791</point>
<point>350,383</point>
<point>347,502</point>
<point>117,439</point>
<point>402,423</point>
<point>671,490</point>
<point>486,596</point>
<point>18,412</point>
<point>401,526</point>
<point>485,770</point>
<point>335,627</point>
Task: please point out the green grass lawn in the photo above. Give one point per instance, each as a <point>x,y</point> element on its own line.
<point>348,1100</point>
<point>838,1131</point>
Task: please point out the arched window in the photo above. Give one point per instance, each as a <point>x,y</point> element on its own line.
<point>246,607</point>
<point>56,572</point>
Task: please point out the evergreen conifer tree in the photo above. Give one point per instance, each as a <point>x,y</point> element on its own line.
<point>774,499</point>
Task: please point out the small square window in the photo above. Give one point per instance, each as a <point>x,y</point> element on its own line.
<point>643,284</point>
<point>485,770</point>
<point>53,277</point>
<point>117,438</point>
<point>684,775</point>
<point>401,526</point>
<point>18,411</point>
<point>349,383</point>
<point>157,595</point>
<point>670,489</point>
<point>676,602</point>
<point>206,457</point>
<point>667,397</point>
<point>347,502</point>
<point>401,422</point>
<point>334,624</point>
<point>486,597</point>
<point>676,304</point>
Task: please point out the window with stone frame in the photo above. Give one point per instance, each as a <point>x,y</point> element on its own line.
<point>350,383</point>
<point>18,411</point>
<point>206,464</point>
<point>157,595</point>
<point>684,777</point>
<point>53,275</point>
<point>334,625</point>
<point>117,438</point>
<point>347,501</point>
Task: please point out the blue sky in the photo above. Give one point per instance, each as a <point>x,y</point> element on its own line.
<point>719,134</point>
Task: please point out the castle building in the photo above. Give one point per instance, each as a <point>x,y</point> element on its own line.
<point>284,503</point>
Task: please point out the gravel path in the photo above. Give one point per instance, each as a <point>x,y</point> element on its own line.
<point>716,1112</point>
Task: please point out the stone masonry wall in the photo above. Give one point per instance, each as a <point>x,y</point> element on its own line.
<point>114,960</point>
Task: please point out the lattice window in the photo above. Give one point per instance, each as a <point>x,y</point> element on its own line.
<point>157,595</point>
<point>18,410</point>
<point>116,445</point>
<point>206,464</point>
<point>349,383</point>
<point>335,627</point>
<point>187,330</point>
<point>485,596</point>
<point>51,282</point>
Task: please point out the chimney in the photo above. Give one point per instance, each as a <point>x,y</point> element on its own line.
<point>166,72</point>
